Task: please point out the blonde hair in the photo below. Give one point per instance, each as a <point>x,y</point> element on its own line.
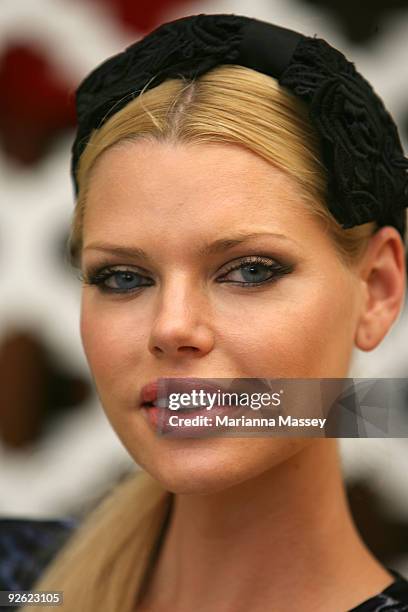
<point>104,565</point>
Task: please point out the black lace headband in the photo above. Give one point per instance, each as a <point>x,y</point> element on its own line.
<point>361,149</point>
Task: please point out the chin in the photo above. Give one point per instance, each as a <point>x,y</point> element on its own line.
<point>201,467</point>
<point>191,482</point>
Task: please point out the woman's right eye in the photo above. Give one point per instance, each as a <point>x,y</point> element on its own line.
<point>112,280</point>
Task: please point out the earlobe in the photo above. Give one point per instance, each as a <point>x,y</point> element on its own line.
<point>367,337</point>
<point>383,275</point>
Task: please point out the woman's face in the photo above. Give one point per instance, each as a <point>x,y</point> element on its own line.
<point>188,314</point>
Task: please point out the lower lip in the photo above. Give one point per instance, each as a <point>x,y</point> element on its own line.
<point>158,417</point>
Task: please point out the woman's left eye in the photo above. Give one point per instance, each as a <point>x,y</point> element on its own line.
<point>258,271</point>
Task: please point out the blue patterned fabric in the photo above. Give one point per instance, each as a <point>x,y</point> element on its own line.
<point>26,548</point>
<point>28,545</point>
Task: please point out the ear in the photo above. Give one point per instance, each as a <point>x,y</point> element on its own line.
<point>383,278</point>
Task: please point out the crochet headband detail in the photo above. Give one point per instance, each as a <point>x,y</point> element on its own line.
<point>360,145</point>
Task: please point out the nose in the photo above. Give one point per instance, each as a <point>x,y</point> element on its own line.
<point>181,321</point>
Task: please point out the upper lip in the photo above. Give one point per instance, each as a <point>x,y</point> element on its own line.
<point>150,391</point>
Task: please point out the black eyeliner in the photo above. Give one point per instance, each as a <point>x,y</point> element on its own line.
<point>98,274</point>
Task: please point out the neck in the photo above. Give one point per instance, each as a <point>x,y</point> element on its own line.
<point>283,538</point>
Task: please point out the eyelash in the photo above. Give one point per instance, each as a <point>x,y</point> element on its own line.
<point>98,275</point>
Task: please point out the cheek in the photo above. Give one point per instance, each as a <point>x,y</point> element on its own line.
<point>310,335</point>
<point>324,337</point>
<point>112,341</point>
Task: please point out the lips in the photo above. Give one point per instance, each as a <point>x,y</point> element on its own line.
<point>149,393</point>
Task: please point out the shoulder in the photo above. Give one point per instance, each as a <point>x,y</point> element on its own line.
<point>394,598</point>
<point>27,546</point>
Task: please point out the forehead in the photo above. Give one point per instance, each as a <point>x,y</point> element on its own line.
<point>135,185</point>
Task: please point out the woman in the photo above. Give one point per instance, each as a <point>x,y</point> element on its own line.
<point>240,212</point>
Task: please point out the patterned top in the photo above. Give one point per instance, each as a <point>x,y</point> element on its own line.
<point>28,545</point>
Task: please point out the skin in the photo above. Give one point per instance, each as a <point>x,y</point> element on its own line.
<point>241,505</point>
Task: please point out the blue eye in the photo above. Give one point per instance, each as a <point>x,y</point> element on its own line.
<point>255,270</point>
<point>125,280</point>
<point>121,281</point>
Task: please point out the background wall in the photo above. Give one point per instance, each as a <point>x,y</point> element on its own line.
<point>57,452</point>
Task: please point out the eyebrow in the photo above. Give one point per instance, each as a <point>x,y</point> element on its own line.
<point>222,244</point>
